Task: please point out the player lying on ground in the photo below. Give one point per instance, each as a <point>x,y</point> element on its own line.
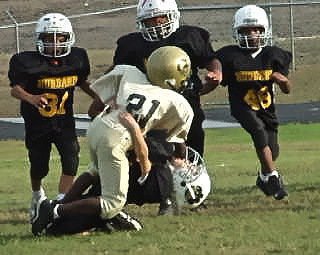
<point>182,165</point>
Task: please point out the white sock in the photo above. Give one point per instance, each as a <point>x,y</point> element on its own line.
<point>265,177</point>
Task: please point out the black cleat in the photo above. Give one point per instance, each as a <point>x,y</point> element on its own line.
<point>44,216</point>
<point>272,187</point>
<point>278,185</point>
<point>263,186</point>
<point>122,222</point>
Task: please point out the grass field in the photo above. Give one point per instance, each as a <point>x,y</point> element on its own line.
<point>239,219</point>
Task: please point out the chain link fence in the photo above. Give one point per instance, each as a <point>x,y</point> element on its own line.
<point>101,28</point>
<point>99,24</point>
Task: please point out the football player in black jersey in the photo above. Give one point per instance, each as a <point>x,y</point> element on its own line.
<point>158,24</point>
<point>44,80</point>
<point>249,70</point>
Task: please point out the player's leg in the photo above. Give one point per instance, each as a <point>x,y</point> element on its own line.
<point>68,148</point>
<point>49,212</point>
<point>111,145</point>
<point>156,189</point>
<point>257,130</point>
<point>39,154</point>
<point>275,180</point>
<point>165,183</point>
<point>268,180</point>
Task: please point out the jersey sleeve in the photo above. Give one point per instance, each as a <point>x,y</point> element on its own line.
<point>127,51</point>
<point>196,42</point>
<point>107,85</point>
<point>84,65</point>
<point>224,55</point>
<point>179,132</point>
<point>281,60</point>
<point>121,75</point>
<point>16,72</point>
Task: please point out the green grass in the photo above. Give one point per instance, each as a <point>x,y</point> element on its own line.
<point>239,219</point>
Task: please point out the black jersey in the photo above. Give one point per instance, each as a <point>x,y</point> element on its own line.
<point>133,49</point>
<point>248,78</point>
<point>37,75</point>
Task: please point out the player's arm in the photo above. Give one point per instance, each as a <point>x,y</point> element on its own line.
<point>96,107</point>
<point>213,77</point>
<point>140,146</point>
<point>283,82</point>
<point>85,86</point>
<point>38,101</point>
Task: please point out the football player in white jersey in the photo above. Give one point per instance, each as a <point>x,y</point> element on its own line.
<point>127,89</point>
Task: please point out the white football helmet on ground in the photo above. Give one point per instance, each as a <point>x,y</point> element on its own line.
<point>169,67</point>
<point>191,182</point>
<point>148,9</point>
<point>54,24</point>
<point>251,16</point>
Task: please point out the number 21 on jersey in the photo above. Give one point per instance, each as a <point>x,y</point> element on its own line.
<point>138,108</point>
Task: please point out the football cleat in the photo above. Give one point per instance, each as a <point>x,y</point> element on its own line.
<point>33,204</point>
<point>273,186</point>
<point>122,222</point>
<point>44,216</point>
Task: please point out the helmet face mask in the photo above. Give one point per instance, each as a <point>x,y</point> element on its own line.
<point>191,181</point>
<point>153,9</point>
<point>251,27</point>
<point>54,35</point>
<point>169,67</point>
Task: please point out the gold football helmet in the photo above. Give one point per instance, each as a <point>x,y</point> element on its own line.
<point>169,67</point>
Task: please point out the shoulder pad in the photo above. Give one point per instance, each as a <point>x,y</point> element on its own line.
<point>26,59</point>
<point>130,38</point>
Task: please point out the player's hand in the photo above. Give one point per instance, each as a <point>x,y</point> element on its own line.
<point>145,170</point>
<point>213,77</point>
<point>278,77</point>
<point>112,102</point>
<point>142,179</point>
<point>39,101</point>
<point>96,107</point>
<point>212,80</point>
<point>282,81</point>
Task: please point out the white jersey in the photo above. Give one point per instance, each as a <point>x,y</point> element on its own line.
<point>152,106</point>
